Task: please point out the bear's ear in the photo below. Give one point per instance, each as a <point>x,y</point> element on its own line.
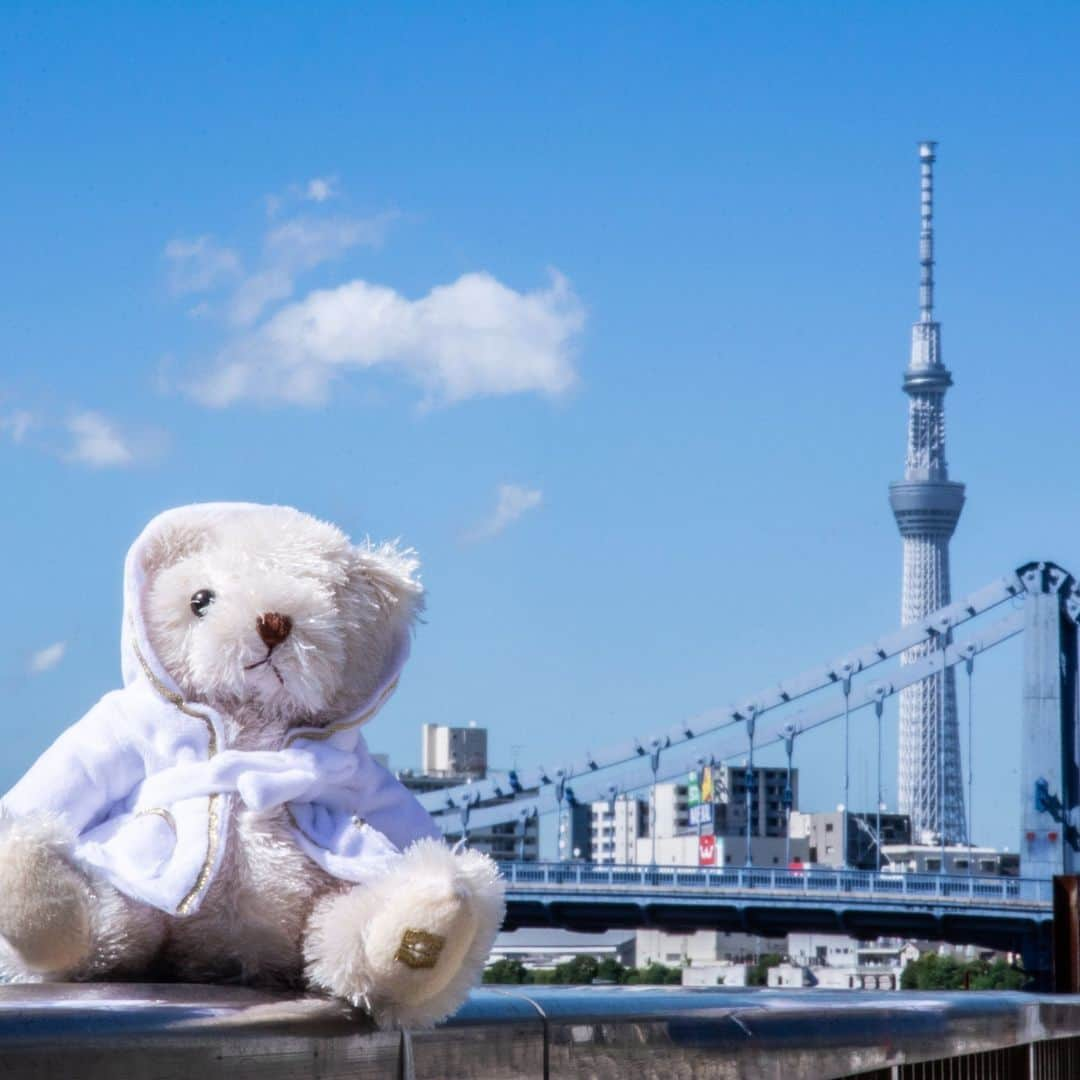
<point>382,599</point>
<point>387,575</point>
<point>171,543</point>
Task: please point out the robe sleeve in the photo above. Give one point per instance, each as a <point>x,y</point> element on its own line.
<point>89,769</point>
<point>387,805</point>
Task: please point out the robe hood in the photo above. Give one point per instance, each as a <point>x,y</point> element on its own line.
<point>138,661</point>
<point>147,784</point>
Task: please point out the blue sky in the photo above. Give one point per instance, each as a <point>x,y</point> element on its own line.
<point>604,308</point>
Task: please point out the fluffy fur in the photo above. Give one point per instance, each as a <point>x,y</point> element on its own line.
<point>271,915</point>
<point>353,938</point>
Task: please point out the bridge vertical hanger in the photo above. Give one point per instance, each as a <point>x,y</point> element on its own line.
<point>790,732</point>
<point>564,824</point>
<point>969,667</point>
<point>655,747</point>
<point>845,683</point>
<point>751,721</point>
<point>943,733</point>
<point>525,815</point>
<point>879,708</point>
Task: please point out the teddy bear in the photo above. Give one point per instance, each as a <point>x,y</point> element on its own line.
<point>220,817</point>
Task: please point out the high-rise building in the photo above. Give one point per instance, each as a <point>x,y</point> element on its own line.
<point>616,828</point>
<point>824,832</point>
<point>622,830</point>
<point>454,751</point>
<point>927,506</point>
<point>458,755</point>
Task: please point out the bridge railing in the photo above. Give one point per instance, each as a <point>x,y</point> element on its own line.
<point>103,1031</point>
<point>955,888</point>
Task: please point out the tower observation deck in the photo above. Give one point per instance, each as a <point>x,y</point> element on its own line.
<point>927,505</point>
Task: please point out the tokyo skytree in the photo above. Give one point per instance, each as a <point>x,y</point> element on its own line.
<point>927,506</point>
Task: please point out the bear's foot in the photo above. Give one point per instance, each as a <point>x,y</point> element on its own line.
<point>409,946</point>
<point>45,921</point>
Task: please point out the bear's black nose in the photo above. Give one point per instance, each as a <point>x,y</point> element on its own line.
<point>273,628</point>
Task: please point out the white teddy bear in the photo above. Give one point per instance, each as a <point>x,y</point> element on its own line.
<point>220,818</point>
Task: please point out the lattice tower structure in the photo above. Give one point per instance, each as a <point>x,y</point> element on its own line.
<point>927,505</point>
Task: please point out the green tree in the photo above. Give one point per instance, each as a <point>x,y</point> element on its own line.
<point>507,970</point>
<point>610,970</point>
<point>999,976</point>
<point>933,972</point>
<point>758,974</point>
<point>654,974</point>
<point>579,971</point>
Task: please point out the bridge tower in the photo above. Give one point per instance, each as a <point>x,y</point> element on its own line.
<point>1050,756</point>
<point>927,506</point>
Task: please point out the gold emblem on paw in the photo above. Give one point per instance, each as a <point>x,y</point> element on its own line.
<point>419,949</point>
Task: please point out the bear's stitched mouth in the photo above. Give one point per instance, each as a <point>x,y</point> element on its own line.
<point>267,659</point>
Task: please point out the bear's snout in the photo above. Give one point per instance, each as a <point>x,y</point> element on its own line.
<point>273,628</point>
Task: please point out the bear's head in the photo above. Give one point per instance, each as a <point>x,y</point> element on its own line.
<point>270,607</point>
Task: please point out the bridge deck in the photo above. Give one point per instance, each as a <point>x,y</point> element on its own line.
<point>137,1031</point>
<point>1002,913</point>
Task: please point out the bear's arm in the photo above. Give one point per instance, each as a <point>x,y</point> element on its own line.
<point>387,805</point>
<point>92,766</point>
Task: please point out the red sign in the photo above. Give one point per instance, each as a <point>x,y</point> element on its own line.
<point>706,850</point>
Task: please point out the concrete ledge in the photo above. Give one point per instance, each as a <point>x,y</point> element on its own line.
<point>136,1031</point>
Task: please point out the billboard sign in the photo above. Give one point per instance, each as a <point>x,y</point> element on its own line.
<point>708,792</point>
<point>706,850</point>
<point>702,814</point>
<point>693,789</point>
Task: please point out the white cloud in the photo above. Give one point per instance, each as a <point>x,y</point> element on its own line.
<point>200,264</point>
<point>470,338</point>
<point>296,247</point>
<point>512,501</point>
<point>96,442</point>
<point>321,188</point>
<point>46,659</point>
<point>17,424</point>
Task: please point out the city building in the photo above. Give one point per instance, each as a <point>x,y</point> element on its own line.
<point>708,849</point>
<point>458,752</point>
<point>927,505</point>
<point>458,755</point>
<point>671,809</point>
<point>712,805</point>
<point>616,827</point>
<point>575,833</point>
<point>959,859</point>
<point>703,948</point>
<point>838,962</point>
<point>824,833</point>
<point>767,806</point>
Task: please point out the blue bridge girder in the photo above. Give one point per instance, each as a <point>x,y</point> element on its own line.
<point>1013,914</point>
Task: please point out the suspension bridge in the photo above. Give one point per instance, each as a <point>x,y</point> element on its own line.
<point>1039,601</point>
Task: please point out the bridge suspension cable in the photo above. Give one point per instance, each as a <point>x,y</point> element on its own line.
<point>644,762</point>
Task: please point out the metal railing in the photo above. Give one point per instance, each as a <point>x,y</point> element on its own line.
<point>98,1031</point>
<point>948,888</point>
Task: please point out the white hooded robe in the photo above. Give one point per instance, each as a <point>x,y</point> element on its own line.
<point>147,785</point>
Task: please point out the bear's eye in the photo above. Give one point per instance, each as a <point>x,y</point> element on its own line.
<point>201,601</point>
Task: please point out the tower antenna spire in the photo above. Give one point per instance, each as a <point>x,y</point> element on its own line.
<point>927,158</point>
<point>927,505</point>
